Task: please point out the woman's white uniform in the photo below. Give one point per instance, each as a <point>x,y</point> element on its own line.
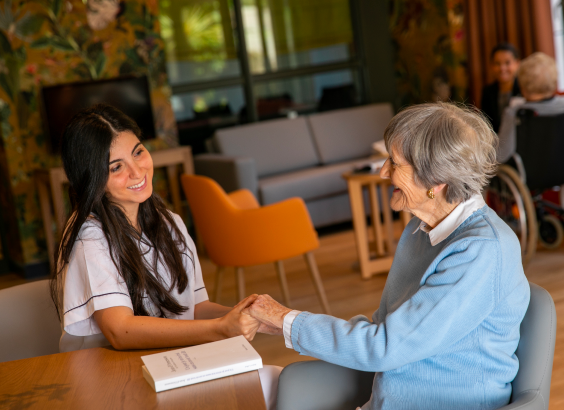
<point>92,282</point>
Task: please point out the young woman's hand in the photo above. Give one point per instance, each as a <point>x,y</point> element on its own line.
<point>270,330</point>
<point>237,323</point>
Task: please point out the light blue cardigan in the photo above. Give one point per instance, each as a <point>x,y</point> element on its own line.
<point>446,331</point>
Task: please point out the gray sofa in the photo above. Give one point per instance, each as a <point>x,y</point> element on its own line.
<point>303,157</point>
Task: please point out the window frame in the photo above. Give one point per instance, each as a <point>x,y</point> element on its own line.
<point>247,79</point>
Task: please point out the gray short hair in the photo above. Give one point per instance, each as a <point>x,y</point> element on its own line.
<point>447,144</point>
<point>538,74</point>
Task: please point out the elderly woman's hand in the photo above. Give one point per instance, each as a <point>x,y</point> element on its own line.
<point>239,322</point>
<point>268,311</point>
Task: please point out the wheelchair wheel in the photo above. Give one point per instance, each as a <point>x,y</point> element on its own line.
<point>508,196</point>
<point>551,232</point>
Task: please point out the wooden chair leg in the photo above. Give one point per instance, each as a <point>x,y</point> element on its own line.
<point>312,265</point>
<point>240,282</point>
<point>218,282</point>
<point>283,282</point>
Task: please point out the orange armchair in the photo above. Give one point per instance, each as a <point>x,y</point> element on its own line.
<point>238,232</point>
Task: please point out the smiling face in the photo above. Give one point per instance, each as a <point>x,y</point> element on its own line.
<point>504,66</point>
<point>130,181</point>
<point>408,195</point>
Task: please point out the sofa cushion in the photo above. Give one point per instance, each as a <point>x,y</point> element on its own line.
<point>342,135</point>
<point>276,146</point>
<point>311,183</point>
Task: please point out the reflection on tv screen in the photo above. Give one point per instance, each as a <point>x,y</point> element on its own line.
<point>130,95</point>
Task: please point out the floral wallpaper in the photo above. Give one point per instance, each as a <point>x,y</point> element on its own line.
<point>430,50</point>
<point>47,42</point>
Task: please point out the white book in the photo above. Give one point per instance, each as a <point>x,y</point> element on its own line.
<point>196,364</point>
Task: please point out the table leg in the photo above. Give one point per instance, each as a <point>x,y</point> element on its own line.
<point>376,222</point>
<point>47,219</point>
<point>360,231</point>
<point>390,243</point>
<point>188,161</point>
<point>58,203</point>
<point>174,185</point>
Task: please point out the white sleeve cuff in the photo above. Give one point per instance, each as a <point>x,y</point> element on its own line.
<point>287,328</point>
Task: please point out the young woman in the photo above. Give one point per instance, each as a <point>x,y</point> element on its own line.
<point>128,274</point>
<point>504,60</point>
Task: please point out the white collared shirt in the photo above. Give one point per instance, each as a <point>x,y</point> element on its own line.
<point>92,282</point>
<point>436,235</point>
<point>453,220</point>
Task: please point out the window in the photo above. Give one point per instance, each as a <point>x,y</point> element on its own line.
<point>286,34</point>
<point>199,40</point>
<point>236,61</point>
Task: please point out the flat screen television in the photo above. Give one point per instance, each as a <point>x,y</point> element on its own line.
<point>129,94</point>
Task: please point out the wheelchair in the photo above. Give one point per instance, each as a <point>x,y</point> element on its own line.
<point>520,192</point>
<point>510,198</point>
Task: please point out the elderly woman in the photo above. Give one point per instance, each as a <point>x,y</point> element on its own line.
<point>446,331</point>
<point>538,77</point>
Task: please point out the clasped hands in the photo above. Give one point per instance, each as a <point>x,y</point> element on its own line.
<point>259,313</point>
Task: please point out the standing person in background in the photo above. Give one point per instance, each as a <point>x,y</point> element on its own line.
<point>504,61</point>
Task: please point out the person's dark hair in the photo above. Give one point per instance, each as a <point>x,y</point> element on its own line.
<point>505,47</point>
<point>85,150</point>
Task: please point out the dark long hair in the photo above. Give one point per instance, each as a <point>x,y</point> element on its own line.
<point>505,47</point>
<point>85,151</point>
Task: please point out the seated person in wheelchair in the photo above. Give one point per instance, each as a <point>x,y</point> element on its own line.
<point>446,331</point>
<point>538,78</point>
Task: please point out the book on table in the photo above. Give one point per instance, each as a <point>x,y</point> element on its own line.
<point>196,364</point>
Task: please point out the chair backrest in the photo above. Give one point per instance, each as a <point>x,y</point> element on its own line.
<point>540,143</point>
<point>536,347</point>
<point>237,232</point>
<point>29,322</point>
<point>210,207</point>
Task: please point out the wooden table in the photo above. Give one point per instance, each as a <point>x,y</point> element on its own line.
<point>50,185</point>
<point>381,259</point>
<point>102,378</point>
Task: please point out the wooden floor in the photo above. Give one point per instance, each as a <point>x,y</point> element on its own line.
<point>349,295</point>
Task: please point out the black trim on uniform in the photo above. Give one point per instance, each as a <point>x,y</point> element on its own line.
<point>203,287</point>
<point>95,296</point>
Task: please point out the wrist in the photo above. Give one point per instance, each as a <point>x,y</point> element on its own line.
<point>222,329</point>
<point>281,316</point>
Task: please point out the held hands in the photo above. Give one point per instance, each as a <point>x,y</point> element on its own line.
<point>252,314</point>
<point>237,322</point>
<point>269,312</point>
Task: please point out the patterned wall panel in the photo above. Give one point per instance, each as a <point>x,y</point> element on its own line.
<point>430,49</point>
<point>53,42</point>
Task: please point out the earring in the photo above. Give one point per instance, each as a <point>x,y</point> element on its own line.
<point>431,194</point>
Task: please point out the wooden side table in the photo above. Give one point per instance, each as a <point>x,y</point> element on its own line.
<point>381,260</point>
<point>50,185</point>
